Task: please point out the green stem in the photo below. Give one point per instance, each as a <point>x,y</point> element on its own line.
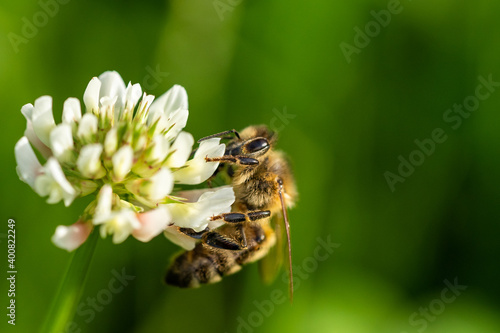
<point>64,305</point>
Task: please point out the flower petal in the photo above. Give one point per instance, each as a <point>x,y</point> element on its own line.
<point>104,204</point>
<point>72,112</point>
<point>68,192</point>
<point>173,234</point>
<point>176,122</point>
<point>112,86</point>
<point>153,189</point>
<point>43,119</point>
<point>194,195</point>
<point>171,111</point>
<point>181,149</point>
<point>91,96</point>
<point>111,141</point>
<point>122,162</point>
<point>89,161</point>
<point>61,142</point>
<point>214,203</point>
<point>162,184</point>
<point>28,166</point>
<point>143,114</point>
<point>27,111</point>
<point>71,237</point>
<point>120,224</point>
<point>159,150</point>
<point>87,130</point>
<point>196,215</point>
<point>175,98</point>
<point>53,183</point>
<point>197,170</point>
<point>132,95</point>
<point>153,223</point>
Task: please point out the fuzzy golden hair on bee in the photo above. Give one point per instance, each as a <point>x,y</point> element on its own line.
<point>264,188</point>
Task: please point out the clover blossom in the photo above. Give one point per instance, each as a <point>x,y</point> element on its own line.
<point>130,150</point>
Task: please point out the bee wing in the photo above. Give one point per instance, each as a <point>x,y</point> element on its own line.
<point>270,265</point>
<point>276,253</point>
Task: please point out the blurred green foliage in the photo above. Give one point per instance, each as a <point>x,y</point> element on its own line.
<point>241,63</point>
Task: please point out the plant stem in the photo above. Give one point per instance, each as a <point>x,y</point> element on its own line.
<point>64,304</point>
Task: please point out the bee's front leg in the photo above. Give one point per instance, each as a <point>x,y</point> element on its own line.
<point>240,160</point>
<point>242,217</point>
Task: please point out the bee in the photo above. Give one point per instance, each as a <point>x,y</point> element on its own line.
<point>264,187</point>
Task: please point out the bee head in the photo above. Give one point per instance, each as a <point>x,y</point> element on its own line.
<point>255,147</point>
<point>257,140</point>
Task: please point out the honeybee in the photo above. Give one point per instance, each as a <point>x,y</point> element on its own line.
<point>264,187</point>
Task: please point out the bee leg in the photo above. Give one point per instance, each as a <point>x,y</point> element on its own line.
<point>215,239</point>
<point>241,233</point>
<point>239,242</point>
<point>242,217</point>
<point>193,234</point>
<point>240,160</point>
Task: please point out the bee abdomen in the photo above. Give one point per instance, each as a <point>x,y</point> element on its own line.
<point>206,264</point>
<point>202,265</point>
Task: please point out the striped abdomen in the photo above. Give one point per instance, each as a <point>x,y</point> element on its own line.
<point>205,264</point>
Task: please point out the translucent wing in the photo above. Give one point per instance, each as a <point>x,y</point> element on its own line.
<point>270,265</point>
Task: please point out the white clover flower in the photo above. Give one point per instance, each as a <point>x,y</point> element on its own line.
<point>61,142</point>
<point>152,223</point>
<point>27,111</point>
<point>129,150</point>
<point>71,237</point>
<point>122,162</point>
<point>180,150</point>
<point>196,170</point>
<point>28,167</point>
<point>89,162</point>
<point>43,120</point>
<point>72,112</point>
<point>196,213</point>
<point>53,183</point>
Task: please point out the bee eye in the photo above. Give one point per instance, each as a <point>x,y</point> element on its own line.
<point>257,145</point>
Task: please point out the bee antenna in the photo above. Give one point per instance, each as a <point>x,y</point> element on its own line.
<point>216,135</point>
<point>287,228</point>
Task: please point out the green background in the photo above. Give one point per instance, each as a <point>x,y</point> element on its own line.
<point>351,122</point>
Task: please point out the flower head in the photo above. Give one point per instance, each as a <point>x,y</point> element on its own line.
<point>127,148</point>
